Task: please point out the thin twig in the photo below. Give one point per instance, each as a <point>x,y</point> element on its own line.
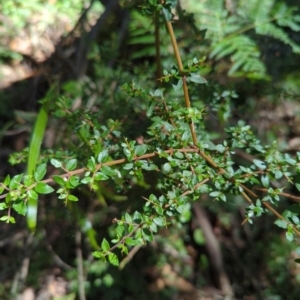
<point>80,275</point>
<point>292,197</point>
<point>129,256</point>
<point>110,163</point>
<point>184,82</point>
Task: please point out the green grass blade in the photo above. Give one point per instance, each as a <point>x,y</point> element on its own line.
<point>35,148</point>
<point>34,153</point>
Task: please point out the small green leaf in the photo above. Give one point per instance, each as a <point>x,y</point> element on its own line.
<point>119,230</point>
<point>8,219</point>
<point>128,166</point>
<point>6,180</point>
<point>91,164</point>
<point>148,166</point>
<point>71,164</point>
<point>28,180</point>
<point>194,77</point>
<point>222,197</point>
<point>100,176</point>
<point>167,13</point>
<point>289,160</point>
<point>179,155</point>
<point>3,205</point>
<point>265,180</point>
<point>128,154</point>
<point>147,234</point>
<point>11,220</point>
<point>260,164</point>
<point>177,86</point>
<point>108,171</point>
<point>159,209</point>
<point>102,156</point>
<point>74,181</point>
<point>1,188</point>
<point>289,236</point>
<point>15,181</point>
<point>153,227</point>
<point>215,194</point>
<point>166,168</point>
<point>220,148</point>
<point>159,221</point>
<point>72,198</point>
<point>278,174</point>
<point>281,223</point>
<point>140,150</point>
<point>295,219</point>
<point>113,259</point>
<point>137,217</point>
<point>150,109</point>
<point>105,245</point>
<point>128,218</point>
<point>152,198</point>
<point>56,163</point>
<point>97,254</point>
<point>86,180</point>
<point>20,207</point>
<point>40,172</point>
<point>124,249</point>
<point>131,242</point>
<point>43,188</point>
<point>32,194</point>
<point>59,180</point>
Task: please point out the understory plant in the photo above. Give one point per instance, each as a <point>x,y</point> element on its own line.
<point>173,162</point>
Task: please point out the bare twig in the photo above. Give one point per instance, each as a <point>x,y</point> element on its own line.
<point>213,249</point>
<point>80,275</point>
<point>292,197</point>
<point>129,256</point>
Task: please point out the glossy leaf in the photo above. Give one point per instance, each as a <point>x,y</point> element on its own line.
<point>140,150</point>
<point>105,245</point>
<point>74,181</point>
<point>56,163</point>
<point>159,221</point>
<point>71,164</point>
<point>43,188</point>
<point>113,259</point>
<point>20,207</point>
<point>72,198</point>
<point>15,181</point>
<point>260,164</point>
<point>59,180</point>
<point>3,206</point>
<point>40,172</point>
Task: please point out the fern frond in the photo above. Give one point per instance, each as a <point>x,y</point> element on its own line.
<point>271,21</point>
<point>286,17</point>
<point>141,33</point>
<point>228,31</point>
<point>244,54</point>
<point>277,33</point>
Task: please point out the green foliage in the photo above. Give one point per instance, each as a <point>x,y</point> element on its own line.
<point>170,131</point>
<point>233,29</point>
<point>141,142</point>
